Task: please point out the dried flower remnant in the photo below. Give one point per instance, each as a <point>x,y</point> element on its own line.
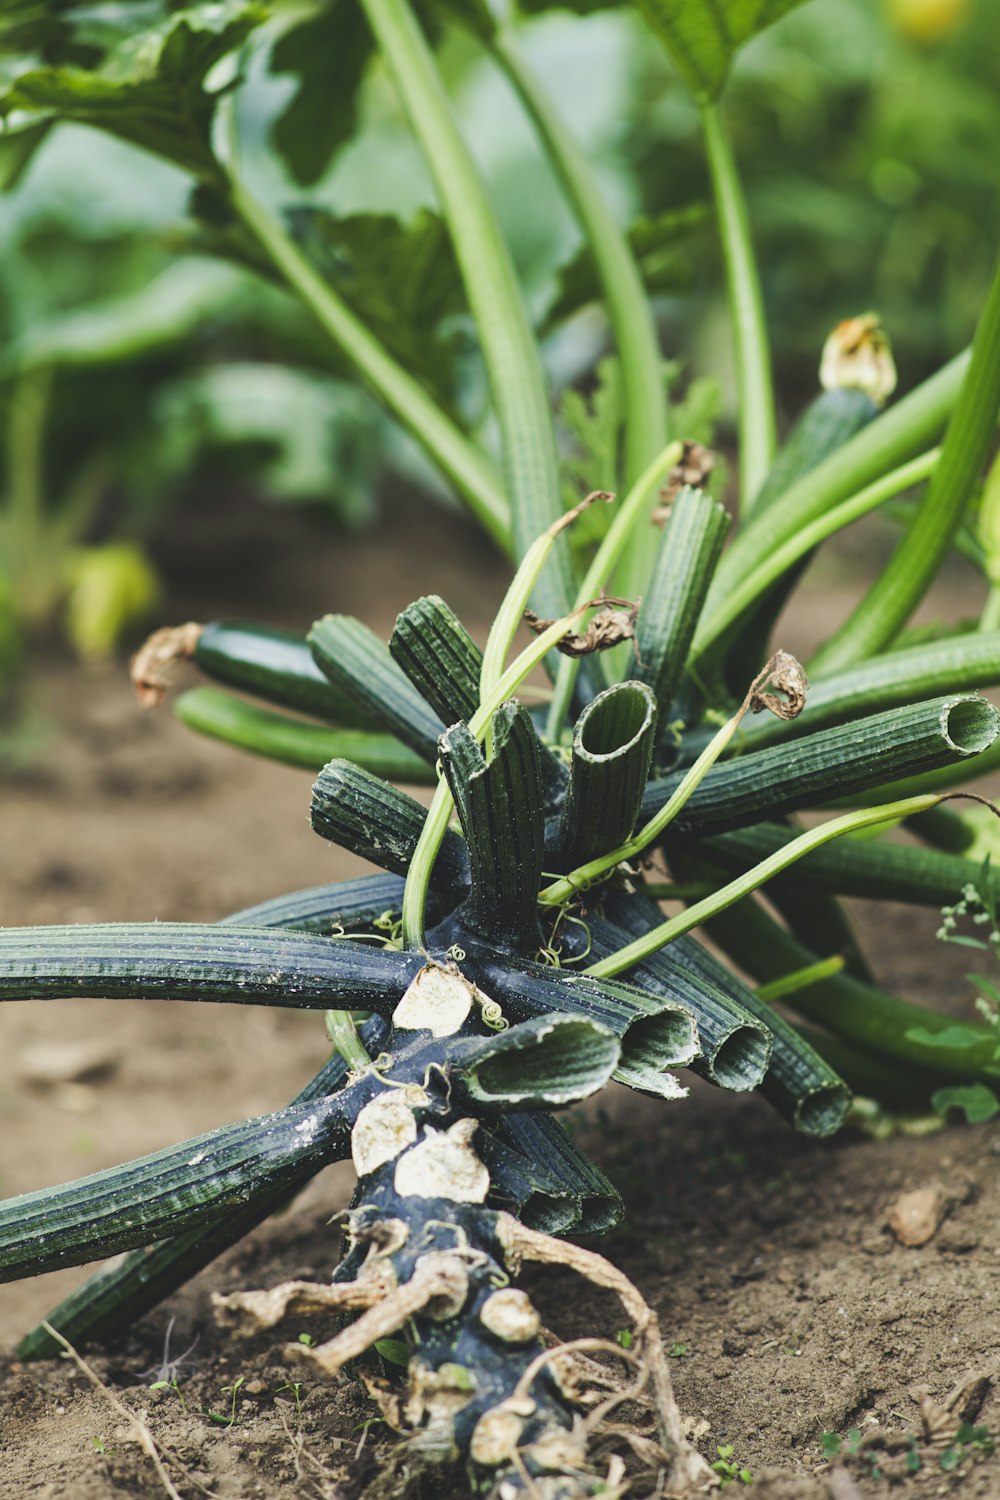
<point>693,470</point>
<point>787,677</point>
<point>857,356</point>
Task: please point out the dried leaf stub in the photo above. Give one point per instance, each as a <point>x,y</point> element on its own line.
<point>615,623</point>
<point>154,656</point>
<point>787,678</point>
<point>693,469</point>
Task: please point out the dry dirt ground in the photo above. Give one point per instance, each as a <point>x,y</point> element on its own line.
<point>789,1308</point>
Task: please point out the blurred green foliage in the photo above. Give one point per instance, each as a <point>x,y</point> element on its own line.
<point>866,133</point>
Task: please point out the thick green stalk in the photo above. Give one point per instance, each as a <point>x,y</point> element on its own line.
<point>859,1013</point>
<point>956,663</point>
<point>435,826</point>
<point>689,551</point>
<point>940,736</point>
<point>701,911</point>
<point>469,470</point>
<point>900,433</point>
<point>508,345</point>
<point>629,311</point>
<point>593,869</point>
<point>902,583</point>
<point>754,391</point>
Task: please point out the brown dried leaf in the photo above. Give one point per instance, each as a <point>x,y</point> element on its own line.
<point>693,469</point>
<point>154,656</point>
<point>615,623</point>
<point>787,677</point>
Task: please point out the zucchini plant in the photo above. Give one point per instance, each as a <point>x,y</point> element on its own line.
<point>512,956</point>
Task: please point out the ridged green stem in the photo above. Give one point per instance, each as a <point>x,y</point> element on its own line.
<point>689,551</point>
<point>859,1013</point>
<point>435,826</point>
<point>360,665</point>
<point>459,459</point>
<point>750,588</point>
<point>902,583</point>
<point>957,663</point>
<point>754,384</point>
<point>612,748</point>
<point>500,805</point>
<point>510,353</point>
<point>200,961</point>
<point>799,1085</point>
<point>942,736</point>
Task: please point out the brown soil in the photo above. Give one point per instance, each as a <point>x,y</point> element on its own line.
<point>790,1308</point>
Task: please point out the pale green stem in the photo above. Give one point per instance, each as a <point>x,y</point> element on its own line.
<point>754,391</point>
<point>510,353</point>
<point>343,1033</point>
<point>436,823</point>
<point>561,890</point>
<point>776,563</point>
<point>630,312</point>
<point>990,617</point>
<point>651,942</point>
<point>800,979</point>
<point>511,611</point>
<point>469,469</point>
<point>627,520</point>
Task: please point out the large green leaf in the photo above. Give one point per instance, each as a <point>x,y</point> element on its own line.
<point>149,89</point>
<point>658,245</point>
<point>401,279</point>
<point>702,36</point>
<point>329,52</point>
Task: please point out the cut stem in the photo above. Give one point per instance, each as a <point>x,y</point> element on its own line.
<point>562,890</point>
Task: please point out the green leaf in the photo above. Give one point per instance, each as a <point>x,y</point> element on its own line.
<point>654,241</point>
<point>975,1100</point>
<point>703,36</point>
<point>393,1351</point>
<point>401,279</point>
<point>329,52</point>
<point>149,89</point>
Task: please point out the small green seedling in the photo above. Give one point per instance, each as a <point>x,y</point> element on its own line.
<point>307,1339</point>
<point>728,1470</point>
<point>295,1386</point>
<point>227,1420</point>
<point>170,1385</point>
<point>624,1338</point>
<point>99,1446</point>
<point>678,1351</point>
